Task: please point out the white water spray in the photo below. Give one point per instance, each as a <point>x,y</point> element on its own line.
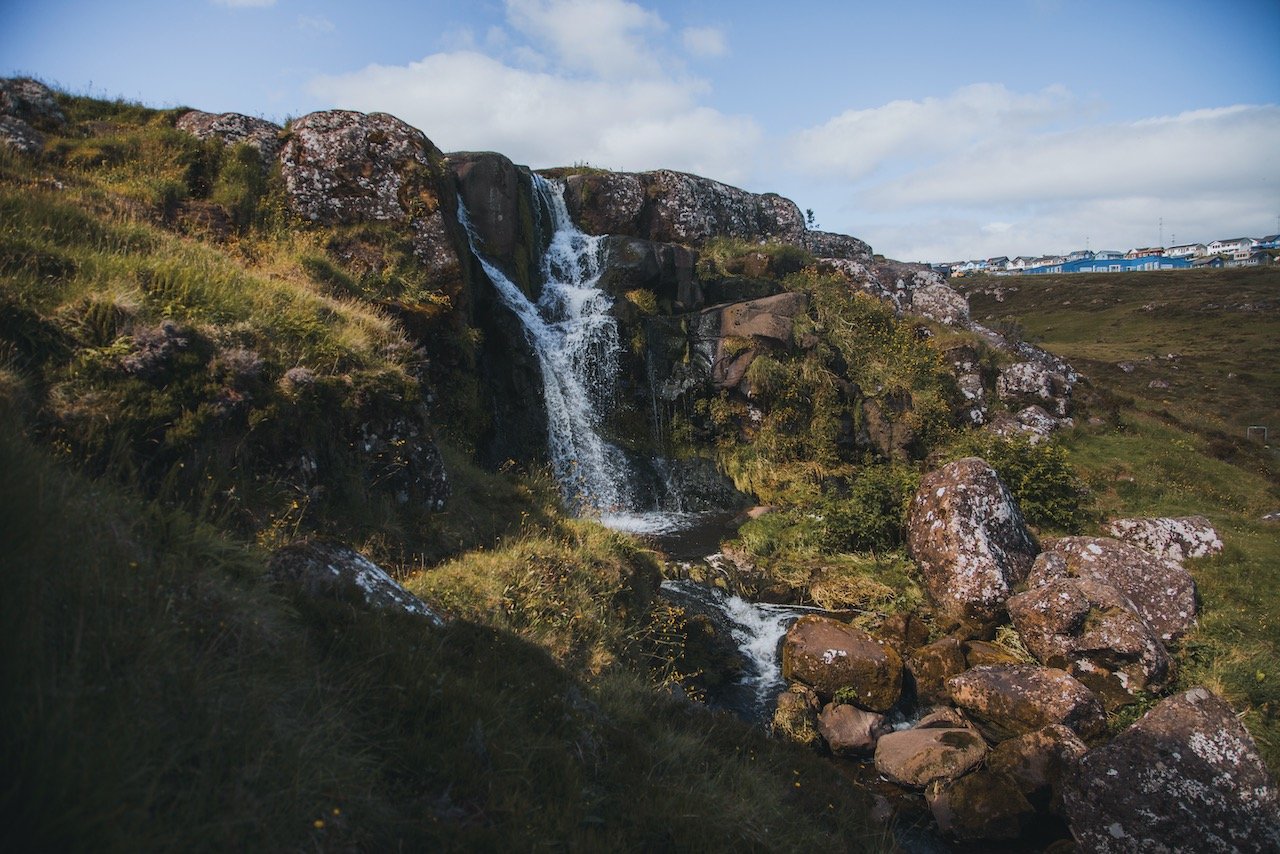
<point>575,340</point>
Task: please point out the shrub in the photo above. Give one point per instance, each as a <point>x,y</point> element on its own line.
<point>1040,476</point>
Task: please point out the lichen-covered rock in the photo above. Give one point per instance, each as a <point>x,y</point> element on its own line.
<point>795,718</point>
<point>1005,701</point>
<point>850,731</point>
<point>1162,592</point>
<point>979,652</point>
<point>32,102</point>
<point>986,804</point>
<point>233,129</point>
<point>967,533</point>
<point>932,665</point>
<point>1173,538</point>
<point>1186,777</point>
<point>674,207</point>
<point>325,569</point>
<point>1034,383</point>
<point>665,269</point>
<point>917,757</point>
<point>1094,633</point>
<point>20,136</point>
<point>824,244</point>
<point>943,717</point>
<point>1030,422</point>
<point>1038,762</point>
<point>940,303</point>
<point>829,655</point>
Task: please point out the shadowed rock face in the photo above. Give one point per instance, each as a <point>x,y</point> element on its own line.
<point>1093,632</point>
<point>325,569</point>
<point>986,804</point>
<point>829,655</point>
<point>1011,700</point>
<point>1186,777</point>
<point>1038,762</point>
<point>1162,592</point>
<point>967,534</point>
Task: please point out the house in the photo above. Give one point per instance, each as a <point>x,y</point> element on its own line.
<point>1078,255</point>
<point>1186,250</point>
<point>1113,265</point>
<point>1000,263</point>
<point>1107,254</point>
<point>1205,262</point>
<point>1233,247</point>
<point>1271,241</point>
<point>1022,262</point>
<point>1255,259</point>
<point>1144,252</point>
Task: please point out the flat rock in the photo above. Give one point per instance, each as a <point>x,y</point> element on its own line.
<point>1175,538</point>
<point>1094,633</point>
<point>1162,592</point>
<point>829,655</point>
<point>850,731</point>
<point>966,532</point>
<point>326,570</point>
<point>1005,701</point>
<point>917,757</point>
<point>1185,777</point>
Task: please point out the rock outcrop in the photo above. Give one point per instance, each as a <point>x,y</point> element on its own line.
<point>829,655</point>
<point>1094,633</point>
<point>1186,777</point>
<point>27,107</point>
<point>1162,592</point>
<point>1172,538</point>
<point>916,757</point>
<point>1038,762</point>
<point>233,129</point>
<point>967,533</point>
<point>331,570</point>
<point>1012,700</point>
<point>850,731</point>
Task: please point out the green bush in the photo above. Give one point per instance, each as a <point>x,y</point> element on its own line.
<point>872,515</point>
<point>1040,476</point>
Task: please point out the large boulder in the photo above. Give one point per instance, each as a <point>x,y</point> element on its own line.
<point>1186,777</point>
<point>1094,633</point>
<point>666,269</point>
<point>1011,700</point>
<point>1174,538</point>
<point>1038,762</point>
<point>20,136</point>
<point>829,655</point>
<point>1161,591</point>
<point>730,337</point>
<point>932,665</point>
<point>233,129</point>
<point>324,569</point>
<point>986,804</point>
<point>1035,383</point>
<point>850,731</point>
<point>940,303</point>
<point>31,102</point>
<point>916,757</point>
<point>966,532</point>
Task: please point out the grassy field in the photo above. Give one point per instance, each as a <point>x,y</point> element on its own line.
<point>1214,338</point>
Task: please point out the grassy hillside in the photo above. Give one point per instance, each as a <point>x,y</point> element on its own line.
<point>1180,450</point>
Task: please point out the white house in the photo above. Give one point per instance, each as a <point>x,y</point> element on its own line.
<point>1107,255</point>
<point>1186,250</point>
<point>1236,248</point>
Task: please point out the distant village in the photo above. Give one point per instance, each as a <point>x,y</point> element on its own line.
<point>1231,252</point>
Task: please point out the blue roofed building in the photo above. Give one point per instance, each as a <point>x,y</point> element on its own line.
<point>1113,265</point>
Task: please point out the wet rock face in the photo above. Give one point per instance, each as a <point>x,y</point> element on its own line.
<point>1094,633</point>
<point>233,129</point>
<point>795,717</point>
<point>828,655</point>
<point>1039,762</point>
<point>666,269</point>
<point>1162,592</point>
<point>986,804</point>
<point>1186,777</point>
<point>332,570</point>
<point>850,731</point>
<point>916,757</point>
<point>1011,700</point>
<point>967,534</point>
<point>1171,538</point>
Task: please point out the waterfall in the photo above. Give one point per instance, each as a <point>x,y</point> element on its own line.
<point>575,340</point>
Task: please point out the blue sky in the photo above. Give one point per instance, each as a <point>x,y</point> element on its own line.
<point>934,130</point>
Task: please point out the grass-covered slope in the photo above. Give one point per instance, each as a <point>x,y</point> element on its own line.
<point>1181,449</point>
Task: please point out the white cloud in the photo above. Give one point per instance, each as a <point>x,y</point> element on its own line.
<point>245,4</point>
<point>704,41</point>
<point>467,100</point>
<point>601,37</point>
<point>857,143</point>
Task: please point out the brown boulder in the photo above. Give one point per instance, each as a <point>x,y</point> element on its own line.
<point>943,717</point>
<point>967,534</point>
<point>850,731</point>
<point>917,757</point>
<point>932,665</point>
<point>828,655</point>
<point>980,652</point>
<point>1007,701</point>
<point>1186,777</point>
<point>1094,633</point>
<point>1162,592</point>
<point>1038,762</point>
<point>986,804</point>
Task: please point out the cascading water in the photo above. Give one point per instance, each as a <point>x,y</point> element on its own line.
<point>575,339</point>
